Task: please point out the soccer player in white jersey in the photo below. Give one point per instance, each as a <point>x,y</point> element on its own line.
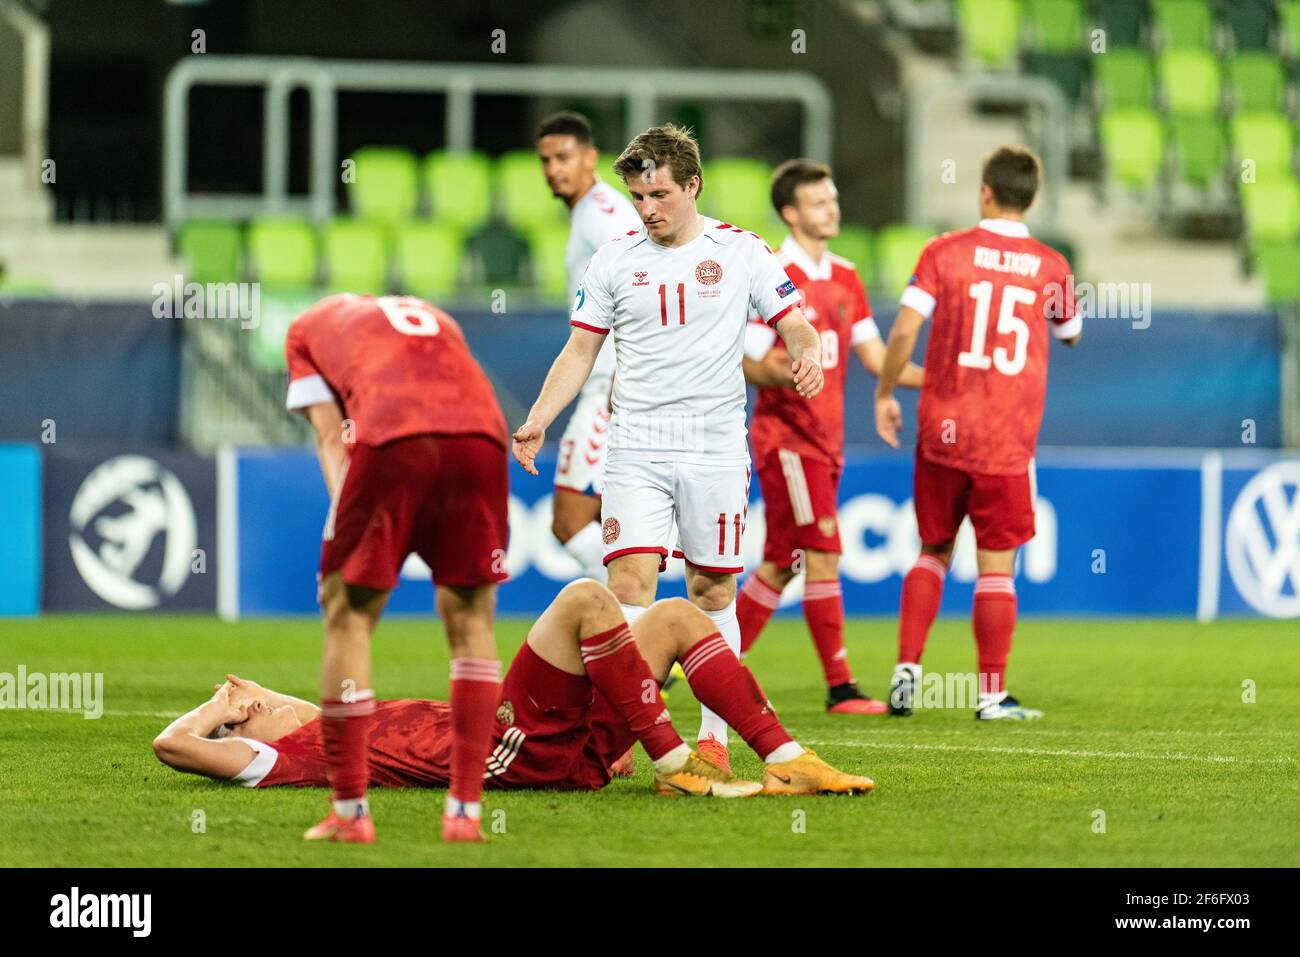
<point>598,214</point>
<point>676,294</point>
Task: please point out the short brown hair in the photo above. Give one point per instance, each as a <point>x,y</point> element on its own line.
<point>668,145</point>
<point>1013,173</point>
<point>792,174</point>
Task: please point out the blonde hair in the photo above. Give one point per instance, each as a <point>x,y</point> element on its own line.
<point>668,145</point>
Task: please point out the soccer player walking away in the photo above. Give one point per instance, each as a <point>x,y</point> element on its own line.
<point>598,213</point>
<point>412,446</point>
<point>799,444</point>
<point>992,293</point>
<point>676,294</point>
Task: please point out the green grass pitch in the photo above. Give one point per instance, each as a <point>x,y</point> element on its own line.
<point>1145,723</point>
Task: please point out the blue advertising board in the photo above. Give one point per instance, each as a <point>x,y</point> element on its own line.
<point>1119,533</point>
<point>20,517</point>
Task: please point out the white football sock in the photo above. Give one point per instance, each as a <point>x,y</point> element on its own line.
<point>988,699</point>
<point>673,760</point>
<point>455,808</point>
<point>727,623</point>
<point>352,807</point>
<point>786,752</point>
<point>588,549</point>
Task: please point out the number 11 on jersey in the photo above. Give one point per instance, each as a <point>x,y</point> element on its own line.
<point>681,304</point>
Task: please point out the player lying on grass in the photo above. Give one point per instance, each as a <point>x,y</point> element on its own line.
<point>581,690</point>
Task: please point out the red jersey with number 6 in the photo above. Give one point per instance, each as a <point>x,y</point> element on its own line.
<point>992,293</point>
<point>397,365</point>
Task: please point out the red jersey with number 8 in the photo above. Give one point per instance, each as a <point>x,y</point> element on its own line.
<point>397,365</point>
<point>992,293</point>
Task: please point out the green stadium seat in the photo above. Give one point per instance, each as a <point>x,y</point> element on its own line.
<point>1250,22</point>
<point>898,248</point>
<point>498,254</point>
<point>1069,71</point>
<point>1054,26</point>
<point>1132,140</point>
<point>1190,82</point>
<point>546,247</point>
<point>854,243</point>
<point>282,252</point>
<point>525,198</point>
<point>990,31</point>
<point>385,184</point>
<point>1289,28</point>
<point>1123,20</point>
<point>1264,138</point>
<point>355,258</point>
<point>210,248</point>
<point>1272,210</point>
<point>1124,78</point>
<point>1256,82</point>
<point>427,256</point>
<point>278,311</point>
<point>738,190</point>
<point>1182,24</point>
<point>1200,149</point>
<point>1279,264</point>
<point>459,188</point>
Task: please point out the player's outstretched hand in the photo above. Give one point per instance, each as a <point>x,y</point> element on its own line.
<point>528,442</point>
<point>808,379</point>
<point>889,419</point>
<point>232,712</point>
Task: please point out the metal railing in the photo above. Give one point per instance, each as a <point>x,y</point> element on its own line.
<point>641,89</point>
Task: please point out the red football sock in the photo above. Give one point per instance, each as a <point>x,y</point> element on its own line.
<point>754,606</point>
<point>995,620</point>
<point>922,591</point>
<point>615,666</point>
<point>823,609</point>
<point>726,687</point>
<point>345,733</point>
<point>475,694</point>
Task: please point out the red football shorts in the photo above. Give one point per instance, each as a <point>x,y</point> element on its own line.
<point>799,498</point>
<point>1001,507</point>
<point>554,729</point>
<point>443,497</point>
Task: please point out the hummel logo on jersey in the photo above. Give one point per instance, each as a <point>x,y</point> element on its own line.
<point>785,289</point>
<point>642,278</point>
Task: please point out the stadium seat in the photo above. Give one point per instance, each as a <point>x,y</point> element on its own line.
<point>1200,149</point>
<point>1190,82</point>
<point>854,244</point>
<point>278,311</point>
<point>990,31</point>
<point>385,184</point>
<point>1256,82</point>
<point>210,248</point>
<point>1289,28</point>
<point>282,252</point>
<point>1264,138</point>
<point>898,248</point>
<point>1182,24</point>
<point>1250,23</point>
<point>1054,26</point>
<point>1133,143</point>
<point>497,254</point>
<point>1279,264</point>
<point>546,246</point>
<point>1069,71</point>
<point>459,188</point>
<point>525,198</point>
<point>1124,78</point>
<point>427,256</point>
<point>738,190</point>
<point>354,256</point>
<point>1123,21</point>
<point>1272,210</point>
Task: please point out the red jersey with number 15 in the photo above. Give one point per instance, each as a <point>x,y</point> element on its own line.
<point>397,365</point>
<point>836,305</point>
<point>992,293</point>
